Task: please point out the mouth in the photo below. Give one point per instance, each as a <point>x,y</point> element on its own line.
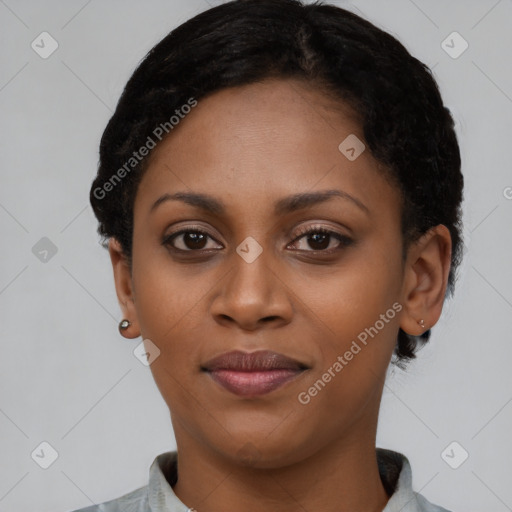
<point>251,374</point>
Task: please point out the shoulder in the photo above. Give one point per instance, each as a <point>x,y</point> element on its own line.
<point>134,501</point>
<point>151,496</point>
<point>396,474</point>
<point>425,506</point>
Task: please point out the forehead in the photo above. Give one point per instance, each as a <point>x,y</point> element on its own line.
<point>254,144</point>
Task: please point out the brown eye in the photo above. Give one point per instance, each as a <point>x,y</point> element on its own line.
<point>316,239</point>
<point>189,240</point>
<point>319,239</point>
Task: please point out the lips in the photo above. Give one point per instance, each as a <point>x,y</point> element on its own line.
<point>263,360</point>
<point>253,373</point>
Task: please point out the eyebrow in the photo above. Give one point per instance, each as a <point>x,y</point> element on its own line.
<point>282,206</point>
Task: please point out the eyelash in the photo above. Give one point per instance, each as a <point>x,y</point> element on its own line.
<point>344,240</point>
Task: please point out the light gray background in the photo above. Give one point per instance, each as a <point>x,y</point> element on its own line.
<point>68,377</point>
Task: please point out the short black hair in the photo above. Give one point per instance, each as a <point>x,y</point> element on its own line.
<point>405,123</point>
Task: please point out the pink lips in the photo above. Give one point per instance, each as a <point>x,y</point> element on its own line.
<point>253,374</point>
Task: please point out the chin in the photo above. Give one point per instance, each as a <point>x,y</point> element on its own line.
<point>263,453</point>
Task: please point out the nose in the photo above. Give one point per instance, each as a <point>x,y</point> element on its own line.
<point>252,295</point>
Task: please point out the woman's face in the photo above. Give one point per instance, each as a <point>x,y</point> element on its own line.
<point>255,282</point>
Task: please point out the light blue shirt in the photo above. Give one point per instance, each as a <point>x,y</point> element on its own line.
<point>158,495</point>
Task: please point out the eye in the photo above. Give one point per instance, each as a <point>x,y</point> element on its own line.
<point>190,239</point>
<point>320,238</point>
<point>194,239</point>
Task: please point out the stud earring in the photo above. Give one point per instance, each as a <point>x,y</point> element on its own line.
<point>422,323</point>
<point>123,325</point>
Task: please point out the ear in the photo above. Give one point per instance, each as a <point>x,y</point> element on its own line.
<point>124,287</point>
<point>426,278</point>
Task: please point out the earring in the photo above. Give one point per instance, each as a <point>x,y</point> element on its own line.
<point>123,325</point>
<point>422,323</point>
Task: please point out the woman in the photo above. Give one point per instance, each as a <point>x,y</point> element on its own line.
<point>280,191</point>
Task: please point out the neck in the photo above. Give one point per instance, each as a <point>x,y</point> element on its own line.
<point>341,477</point>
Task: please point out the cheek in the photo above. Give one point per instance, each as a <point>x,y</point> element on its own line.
<point>342,301</point>
<point>171,312</point>
<point>355,313</point>
<point>168,295</point>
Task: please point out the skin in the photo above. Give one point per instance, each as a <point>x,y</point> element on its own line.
<point>249,147</point>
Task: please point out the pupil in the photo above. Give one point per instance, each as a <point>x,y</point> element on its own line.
<point>196,238</point>
<point>322,236</point>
